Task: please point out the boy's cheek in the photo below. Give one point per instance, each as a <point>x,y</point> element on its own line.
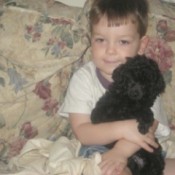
<point>98,49</point>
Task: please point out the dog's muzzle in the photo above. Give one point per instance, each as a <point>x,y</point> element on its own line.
<point>135,92</point>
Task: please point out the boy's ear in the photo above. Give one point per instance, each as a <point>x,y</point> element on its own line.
<point>143,44</point>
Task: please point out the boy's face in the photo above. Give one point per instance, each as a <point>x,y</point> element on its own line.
<point>112,44</point>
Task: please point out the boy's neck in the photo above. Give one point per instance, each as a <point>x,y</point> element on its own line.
<point>105,83</point>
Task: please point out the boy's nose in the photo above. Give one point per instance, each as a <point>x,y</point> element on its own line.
<point>111,49</point>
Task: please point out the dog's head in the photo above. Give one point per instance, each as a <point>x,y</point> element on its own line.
<point>139,79</point>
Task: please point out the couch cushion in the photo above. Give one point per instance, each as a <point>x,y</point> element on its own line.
<point>41,44</point>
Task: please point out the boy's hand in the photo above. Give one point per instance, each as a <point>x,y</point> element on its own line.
<point>113,162</point>
<point>130,132</point>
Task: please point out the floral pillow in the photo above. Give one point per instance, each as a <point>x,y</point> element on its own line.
<point>161,48</point>
<point>39,49</point>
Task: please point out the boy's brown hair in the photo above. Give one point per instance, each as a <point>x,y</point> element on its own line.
<point>118,11</point>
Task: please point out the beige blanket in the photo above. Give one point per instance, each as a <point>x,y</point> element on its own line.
<point>43,157</point>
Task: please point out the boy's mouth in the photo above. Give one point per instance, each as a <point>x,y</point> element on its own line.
<point>114,62</point>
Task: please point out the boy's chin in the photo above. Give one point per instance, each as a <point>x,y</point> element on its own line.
<point>107,75</point>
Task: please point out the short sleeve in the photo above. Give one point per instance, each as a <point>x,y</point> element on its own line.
<point>83,92</point>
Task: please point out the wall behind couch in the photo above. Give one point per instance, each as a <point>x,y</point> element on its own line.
<point>78,3</point>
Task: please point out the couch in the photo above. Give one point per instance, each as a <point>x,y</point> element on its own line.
<point>41,44</point>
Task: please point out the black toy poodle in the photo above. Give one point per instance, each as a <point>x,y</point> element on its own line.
<point>136,85</point>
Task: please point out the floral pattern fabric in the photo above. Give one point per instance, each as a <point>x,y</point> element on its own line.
<point>41,44</point>
<point>39,49</point>
<point>162,48</point>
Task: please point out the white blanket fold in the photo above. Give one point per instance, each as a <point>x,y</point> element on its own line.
<point>43,157</point>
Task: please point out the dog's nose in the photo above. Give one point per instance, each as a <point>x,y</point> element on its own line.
<point>135,92</point>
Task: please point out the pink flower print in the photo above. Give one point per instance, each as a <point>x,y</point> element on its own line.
<point>55,46</point>
<point>51,41</point>
<point>33,32</point>
<point>172,127</point>
<point>15,146</point>
<point>162,26</point>
<point>161,52</point>
<point>165,32</point>
<point>42,89</point>
<point>36,37</point>
<point>50,106</point>
<point>29,29</point>
<point>170,36</point>
<point>28,131</point>
<point>60,21</point>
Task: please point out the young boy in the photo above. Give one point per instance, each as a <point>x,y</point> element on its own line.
<point>118,29</point>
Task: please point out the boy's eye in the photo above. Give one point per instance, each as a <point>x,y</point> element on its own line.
<point>100,40</point>
<point>124,42</point>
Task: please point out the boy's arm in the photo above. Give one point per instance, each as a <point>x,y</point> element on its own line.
<point>116,158</point>
<point>129,148</point>
<point>105,133</point>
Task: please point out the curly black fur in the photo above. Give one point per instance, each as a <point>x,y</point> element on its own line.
<point>136,85</point>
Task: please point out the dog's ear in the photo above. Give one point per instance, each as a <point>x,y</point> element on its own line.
<point>116,73</point>
<point>122,70</point>
<point>159,84</point>
<point>119,80</point>
<point>119,73</point>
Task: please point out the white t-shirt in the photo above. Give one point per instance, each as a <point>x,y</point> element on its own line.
<point>85,89</point>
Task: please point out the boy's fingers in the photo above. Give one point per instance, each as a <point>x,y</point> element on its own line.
<point>107,168</point>
<point>112,167</point>
<point>120,168</point>
<point>147,147</point>
<point>151,141</point>
<point>148,144</point>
